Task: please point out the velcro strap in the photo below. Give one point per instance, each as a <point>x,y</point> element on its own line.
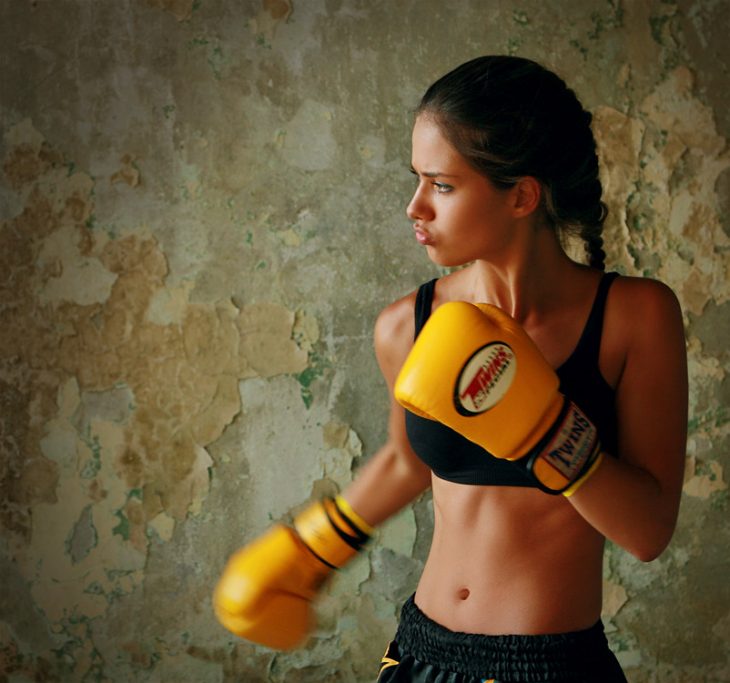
<point>566,454</point>
<point>356,523</point>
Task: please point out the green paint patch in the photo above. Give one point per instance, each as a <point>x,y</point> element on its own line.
<point>116,574</point>
<point>197,42</point>
<point>215,54</point>
<point>92,465</point>
<point>123,528</point>
<point>513,46</point>
<point>261,41</point>
<point>635,255</point>
<point>520,17</point>
<point>703,469</point>
<point>719,500</point>
<point>640,220</point>
<point>308,376</point>
<point>74,649</point>
<point>601,23</point>
<point>216,61</point>
<point>94,588</point>
<point>577,45</point>
<point>657,25</point>
<point>710,419</point>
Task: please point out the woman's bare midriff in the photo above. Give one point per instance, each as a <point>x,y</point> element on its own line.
<point>509,560</point>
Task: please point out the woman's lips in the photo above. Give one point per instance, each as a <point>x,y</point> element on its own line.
<point>422,236</point>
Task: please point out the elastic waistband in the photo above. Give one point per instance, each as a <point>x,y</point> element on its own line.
<point>526,658</point>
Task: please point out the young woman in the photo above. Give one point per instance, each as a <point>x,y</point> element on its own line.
<point>505,165</point>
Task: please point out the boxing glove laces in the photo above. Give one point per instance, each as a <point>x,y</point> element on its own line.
<point>475,370</point>
<point>264,594</point>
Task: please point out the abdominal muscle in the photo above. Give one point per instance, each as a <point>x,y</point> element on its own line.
<point>510,560</point>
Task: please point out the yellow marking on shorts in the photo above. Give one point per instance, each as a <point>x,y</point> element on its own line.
<point>386,663</point>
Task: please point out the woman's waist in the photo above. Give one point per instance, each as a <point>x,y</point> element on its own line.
<point>504,587</point>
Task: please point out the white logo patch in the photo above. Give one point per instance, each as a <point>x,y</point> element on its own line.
<point>485,378</point>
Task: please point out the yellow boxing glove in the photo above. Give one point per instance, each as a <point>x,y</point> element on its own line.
<point>474,369</point>
<point>266,589</point>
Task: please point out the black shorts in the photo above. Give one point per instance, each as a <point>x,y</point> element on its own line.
<point>426,652</point>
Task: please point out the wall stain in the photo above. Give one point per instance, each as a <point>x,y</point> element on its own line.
<point>107,414</point>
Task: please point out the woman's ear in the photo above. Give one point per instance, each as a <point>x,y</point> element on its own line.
<point>527,193</point>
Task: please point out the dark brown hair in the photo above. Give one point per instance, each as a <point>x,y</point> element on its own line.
<point>510,117</point>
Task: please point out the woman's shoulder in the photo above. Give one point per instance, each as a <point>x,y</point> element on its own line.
<point>643,317</point>
<point>395,329</point>
<point>397,319</point>
<point>643,298</point>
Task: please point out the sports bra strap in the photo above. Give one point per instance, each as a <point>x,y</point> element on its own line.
<point>589,344</point>
<point>424,299</point>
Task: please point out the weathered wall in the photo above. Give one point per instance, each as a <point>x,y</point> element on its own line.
<point>202,212</point>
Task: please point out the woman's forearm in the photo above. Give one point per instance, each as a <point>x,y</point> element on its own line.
<point>389,481</point>
<point>629,507</point>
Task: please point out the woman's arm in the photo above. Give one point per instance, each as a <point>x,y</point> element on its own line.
<point>633,500</point>
<point>265,591</point>
<point>394,476</point>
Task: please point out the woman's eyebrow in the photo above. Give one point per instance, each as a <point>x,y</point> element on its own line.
<point>433,174</point>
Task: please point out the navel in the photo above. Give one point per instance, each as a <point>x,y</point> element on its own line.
<point>463,593</point>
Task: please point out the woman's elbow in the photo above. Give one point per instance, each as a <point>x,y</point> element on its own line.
<point>648,553</point>
<point>649,548</point>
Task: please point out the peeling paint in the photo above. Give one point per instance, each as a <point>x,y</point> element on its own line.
<point>702,480</point>
<point>266,22</point>
<point>182,10</point>
<point>140,381</point>
<point>128,173</point>
<point>614,598</point>
<point>201,214</point>
<point>674,125</point>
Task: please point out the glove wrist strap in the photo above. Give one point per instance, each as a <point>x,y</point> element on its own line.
<point>331,535</point>
<point>353,519</point>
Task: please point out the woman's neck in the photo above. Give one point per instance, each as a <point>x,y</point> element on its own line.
<point>527,285</point>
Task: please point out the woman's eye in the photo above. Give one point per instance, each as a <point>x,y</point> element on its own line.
<point>442,188</point>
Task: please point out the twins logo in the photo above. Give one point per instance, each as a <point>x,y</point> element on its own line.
<point>573,444</point>
<point>485,379</point>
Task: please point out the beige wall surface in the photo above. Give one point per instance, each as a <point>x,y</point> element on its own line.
<point>201,214</point>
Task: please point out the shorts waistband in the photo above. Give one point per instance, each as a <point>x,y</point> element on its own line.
<point>525,658</point>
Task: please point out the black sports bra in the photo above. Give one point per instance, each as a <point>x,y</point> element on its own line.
<point>455,458</point>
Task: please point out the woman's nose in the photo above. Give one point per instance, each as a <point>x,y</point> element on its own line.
<point>419,208</point>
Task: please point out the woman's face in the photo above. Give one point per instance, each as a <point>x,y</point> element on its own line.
<point>458,214</point>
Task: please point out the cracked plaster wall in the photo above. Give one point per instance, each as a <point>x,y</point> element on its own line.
<point>201,213</point>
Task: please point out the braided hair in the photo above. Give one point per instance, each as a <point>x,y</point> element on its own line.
<point>510,117</point>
